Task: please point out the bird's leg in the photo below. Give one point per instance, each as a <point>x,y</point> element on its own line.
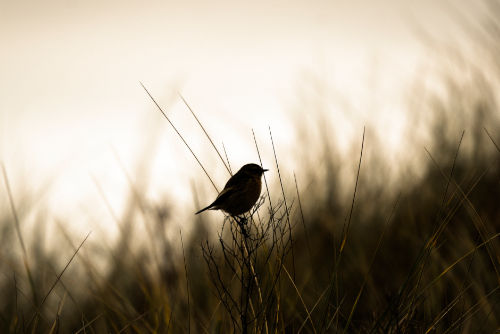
<point>242,222</point>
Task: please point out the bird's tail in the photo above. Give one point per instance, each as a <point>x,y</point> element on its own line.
<point>204,209</point>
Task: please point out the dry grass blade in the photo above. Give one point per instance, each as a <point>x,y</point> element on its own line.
<point>85,326</point>
<point>379,243</point>
<point>138,199</point>
<point>19,234</point>
<point>492,140</point>
<point>475,217</point>
<point>440,228</point>
<point>312,309</point>
<point>58,278</point>
<point>187,282</point>
<point>300,297</point>
<point>131,322</point>
<point>180,136</point>
<point>346,230</point>
<point>446,310</point>
<point>55,324</point>
<point>287,213</point>
<point>306,232</point>
<point>463,257</point>
<point>473,309</point>
<point>206,134</point>
<point>14,212</point>
<point>264,175</point>
<point>334,274</point>
<point>227,159</point>
<point>451,175</point>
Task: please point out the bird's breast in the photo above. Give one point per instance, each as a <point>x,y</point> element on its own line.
<point>254,189</point>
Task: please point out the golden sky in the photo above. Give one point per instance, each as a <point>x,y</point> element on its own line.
<point>70,72</point>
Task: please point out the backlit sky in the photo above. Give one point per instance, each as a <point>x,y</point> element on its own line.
<point>70,99</point>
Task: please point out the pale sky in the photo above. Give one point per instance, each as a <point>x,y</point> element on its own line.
<point>70,93</point>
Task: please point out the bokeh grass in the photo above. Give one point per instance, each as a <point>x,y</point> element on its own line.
<point>416,252</point>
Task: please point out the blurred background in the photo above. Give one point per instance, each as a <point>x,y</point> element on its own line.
<point>85,149</point>
<point>71,102</point>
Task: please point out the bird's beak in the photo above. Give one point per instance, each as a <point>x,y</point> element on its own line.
<point>265,170</point>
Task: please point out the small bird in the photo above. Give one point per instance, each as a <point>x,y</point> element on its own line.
<point>241,191</point>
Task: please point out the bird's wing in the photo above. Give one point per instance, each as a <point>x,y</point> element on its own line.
<point>232,186</point>
<point>233,180</point>
<point>224,194</point>
<point>204,209</point>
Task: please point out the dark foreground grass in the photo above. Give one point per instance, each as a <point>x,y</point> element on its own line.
<point>425,259</point>
<point>419,256</point>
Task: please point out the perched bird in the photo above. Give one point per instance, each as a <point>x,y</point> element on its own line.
<point>241,191</point>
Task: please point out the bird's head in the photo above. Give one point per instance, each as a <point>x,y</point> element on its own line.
<point>253,169</point>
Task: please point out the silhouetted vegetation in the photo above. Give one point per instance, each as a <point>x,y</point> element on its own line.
<point>416,252</point>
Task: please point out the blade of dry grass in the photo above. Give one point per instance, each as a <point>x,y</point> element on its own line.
<point>19,234</point>
<point>227,159</point>
<point>132,321</point>
<point>475,217</point>
<point>55,325</point>
<point>438,229</point>
<point>300,297</point>
<point>206,134</point>
<point>180,136</point>
<point>58,278</point>
<point>265,179</point>
<point>187,282</point>
<point>446,310</point>
<point>365,279</point>
<point>473,309</point>
<point>284,201</point>
<point>337,257</point>
<point>85,326</point>
<point>346,230</point>
<point>460,259</point>
<point>492,140</point>
<point>136,193</point>
<point>441,208</point>
<point>306,232</point>
<point>312,309</point>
